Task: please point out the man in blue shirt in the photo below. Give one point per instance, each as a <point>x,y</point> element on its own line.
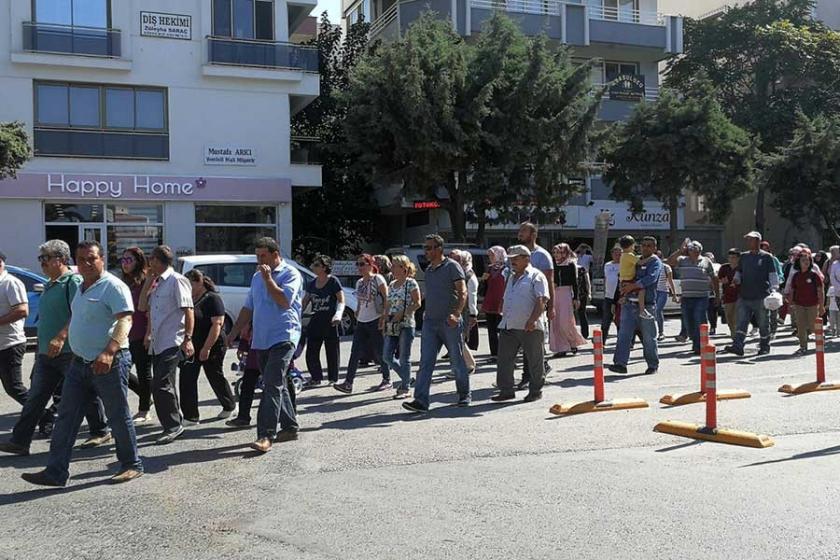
<point>647,277</point>
<point>273,308</point>
<point>99,324</point>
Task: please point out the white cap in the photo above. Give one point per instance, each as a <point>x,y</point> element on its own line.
<point>518,251</point>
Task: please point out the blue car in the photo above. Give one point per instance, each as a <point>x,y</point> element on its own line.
<point>34,283</point>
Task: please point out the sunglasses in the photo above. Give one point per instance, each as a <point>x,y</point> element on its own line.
<point>126,260</point>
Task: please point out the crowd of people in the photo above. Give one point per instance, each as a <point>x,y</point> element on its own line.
<point>151,331</point>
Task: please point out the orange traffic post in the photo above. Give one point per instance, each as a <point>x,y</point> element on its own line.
<point>598,404</point>
<point>700,396</point>
<point>710,431</point>
<point>819,384</point>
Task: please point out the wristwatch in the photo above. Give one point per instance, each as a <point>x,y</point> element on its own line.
<point>187,338</point>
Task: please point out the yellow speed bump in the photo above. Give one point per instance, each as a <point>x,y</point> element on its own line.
<point>698,397</point>
<point>720,435</point>
<point>592,406</point>
<point>811,387</point>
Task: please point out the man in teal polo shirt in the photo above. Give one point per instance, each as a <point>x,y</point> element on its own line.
<point>99,325</point>
<point>54,354</point>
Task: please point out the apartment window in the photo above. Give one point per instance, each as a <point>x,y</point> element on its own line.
<point>244,19</point>
<point>232,229</point>
<point>75,13</point>
<point>360,11</point>
<point>620,10</point>
<point>612,70</point>
<point>90,120</point>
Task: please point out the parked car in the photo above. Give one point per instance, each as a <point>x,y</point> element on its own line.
<point>232,274</point>
<point>34,283</point>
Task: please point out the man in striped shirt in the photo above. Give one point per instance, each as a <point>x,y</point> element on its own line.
<point>697,276</point>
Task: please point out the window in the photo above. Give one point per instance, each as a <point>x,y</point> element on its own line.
<point>244,19</point>
<point>620,10</point>
<point>232,229</point>
<point>90,120</point>
<point>359,12</point>
<point>76,13</point>
<point>612,70</point>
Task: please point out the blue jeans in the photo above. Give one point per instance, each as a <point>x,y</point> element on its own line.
<point>47,376</point>
<point>695,312</point>
<point>630,321</point>
<point>367,341</point>
<point>81,386</point>
<point>747,309</point>
<point>437,333</point>
<point>661,301</point>
<point>403,366</point>
<point>276,402</point>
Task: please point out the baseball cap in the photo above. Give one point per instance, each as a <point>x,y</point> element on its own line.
<point>518,251</point>
<point>695,246</point>
<point>753,234</point>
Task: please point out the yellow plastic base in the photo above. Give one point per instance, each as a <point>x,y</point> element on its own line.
<point>809,388</point>
<point>698,397</point>
<point>592,406</point>
<point>721,435</point>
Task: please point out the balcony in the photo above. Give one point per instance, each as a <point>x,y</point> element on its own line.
<point>262,54</point>
<point>305,150</point>
<point>57,142</point>
<point>52,38</point>
<point>572,23</point>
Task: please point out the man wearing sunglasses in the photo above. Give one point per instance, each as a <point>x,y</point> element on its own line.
<point>446,295</point>
<point>14,308</point>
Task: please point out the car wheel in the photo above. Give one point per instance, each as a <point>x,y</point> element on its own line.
<point>348,323</point>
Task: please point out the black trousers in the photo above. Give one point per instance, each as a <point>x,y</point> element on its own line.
<point>712,315</point>
<point>313,355</point>
<point>11,362</point>
<point>165,372</point>
<point>141,382</point>
<point>492,320</point>
<point>606,316</point>
<point>188,383</point>
<point>583,321</point>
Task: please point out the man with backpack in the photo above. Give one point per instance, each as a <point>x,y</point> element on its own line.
<point>54,354</point>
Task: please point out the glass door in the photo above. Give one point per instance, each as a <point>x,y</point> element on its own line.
<point>92,233</point>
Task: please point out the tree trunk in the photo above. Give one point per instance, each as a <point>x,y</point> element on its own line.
<point>759,209</point>
<point>481,220</point>
<point>456,210</point>
<point>673,226</point>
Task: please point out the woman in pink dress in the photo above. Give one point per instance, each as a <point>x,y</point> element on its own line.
<point>564,335</point>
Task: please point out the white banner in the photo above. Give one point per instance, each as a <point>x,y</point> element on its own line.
<point>167,26</point>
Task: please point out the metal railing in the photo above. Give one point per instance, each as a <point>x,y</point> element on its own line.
<point>651,92</point>
<point>384,20</point>
<point>555,8</point>
<point>68,39</point>
<point>65,142</point>
<point>305,150</point>
<point>261,54</point>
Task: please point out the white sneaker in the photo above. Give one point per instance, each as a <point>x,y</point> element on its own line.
<point>142,417</point>
<point>186,423</point>
<point>225,414</point>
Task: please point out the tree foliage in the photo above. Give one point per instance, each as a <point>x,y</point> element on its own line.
<point>497,125</point>
<point>338,218</point>
<point>766,60</point>
<point>679,144</point>
<point>14,148</point>
<point>804,175</point>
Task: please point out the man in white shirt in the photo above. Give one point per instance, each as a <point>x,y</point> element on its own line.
<point>14,308</point>
<point>522,326</point>
<point>610,288</point>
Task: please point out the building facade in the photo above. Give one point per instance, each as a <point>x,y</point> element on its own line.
<point>154,122</point>
<point>629,37</point>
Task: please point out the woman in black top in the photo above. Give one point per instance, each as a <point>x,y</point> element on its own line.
<point>324,292</point>
<point>209,342</point>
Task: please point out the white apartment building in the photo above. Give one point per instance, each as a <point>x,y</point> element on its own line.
<point>154,121</point>
<point>630,37</point>
<point>827,11</point>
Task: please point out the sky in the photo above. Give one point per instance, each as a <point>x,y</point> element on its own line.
<point>333,8</point>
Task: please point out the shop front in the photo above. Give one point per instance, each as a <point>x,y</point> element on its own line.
<point>193,215</point>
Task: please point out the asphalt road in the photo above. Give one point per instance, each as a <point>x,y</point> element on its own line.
<point>490,481</point>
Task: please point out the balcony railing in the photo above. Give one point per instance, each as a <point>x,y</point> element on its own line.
<point>651,92</point>
<point>305,150</point>
<point>68,39</point>
<point>261,54</point>
<point>384,20</point>
<point>58,142</point>
<point>555,8</point>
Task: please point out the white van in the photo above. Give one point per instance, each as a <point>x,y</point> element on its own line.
<point>232,275</point>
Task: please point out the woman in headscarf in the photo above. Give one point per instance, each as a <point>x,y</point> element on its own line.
<point>564,336</point>
<point>494,291</point>
<point>470,312</point>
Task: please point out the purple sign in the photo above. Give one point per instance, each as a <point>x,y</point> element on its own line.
<point>145,187</point>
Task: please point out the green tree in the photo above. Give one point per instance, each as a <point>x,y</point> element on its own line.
<point>766,60</point>
<point>804,176</point>
<point>338,218</point>
<point>679,144</point>
<point>14,148</point>
<point>497,124</point>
